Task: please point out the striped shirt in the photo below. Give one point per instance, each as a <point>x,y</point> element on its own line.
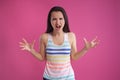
<point>58,66</point>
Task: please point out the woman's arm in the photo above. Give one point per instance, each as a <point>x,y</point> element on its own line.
<point>30,48</point>
<point>88,45</point>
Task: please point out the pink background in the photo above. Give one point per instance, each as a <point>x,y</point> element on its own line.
<point>87,18</point>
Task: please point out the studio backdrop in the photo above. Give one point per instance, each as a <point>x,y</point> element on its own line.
<point>87,18</point>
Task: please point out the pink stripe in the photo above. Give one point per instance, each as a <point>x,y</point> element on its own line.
<point>58,67</point>
<point>53,74</point>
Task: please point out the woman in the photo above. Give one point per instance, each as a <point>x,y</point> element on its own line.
<point>58,47</point>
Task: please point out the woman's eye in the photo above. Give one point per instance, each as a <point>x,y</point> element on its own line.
<point>54,19</point>
<point>61,18</point>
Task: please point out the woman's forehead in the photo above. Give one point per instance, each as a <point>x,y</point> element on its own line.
<point>56,14</point>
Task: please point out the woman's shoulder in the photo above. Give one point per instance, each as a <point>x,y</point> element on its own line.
<point>44,36</point>
<point>71,34</point>
<point>71,37</point>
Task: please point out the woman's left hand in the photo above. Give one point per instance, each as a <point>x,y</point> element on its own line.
<point>91,44</point>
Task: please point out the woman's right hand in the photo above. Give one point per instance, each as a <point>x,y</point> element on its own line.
<point>26,46</point>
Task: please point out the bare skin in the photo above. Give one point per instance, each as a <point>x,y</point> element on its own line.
<point>57,22</point>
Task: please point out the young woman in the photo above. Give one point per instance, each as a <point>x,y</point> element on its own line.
<point>58,47</point>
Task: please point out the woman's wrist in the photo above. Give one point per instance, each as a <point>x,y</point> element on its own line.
<point>32,50</point>
<point>85,49</point>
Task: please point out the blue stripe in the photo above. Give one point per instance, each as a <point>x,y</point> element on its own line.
<point>69,77</point>
<point>58,53</point>
<point>57,49</point>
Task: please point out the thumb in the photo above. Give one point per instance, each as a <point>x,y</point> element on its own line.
<point>85,40</point>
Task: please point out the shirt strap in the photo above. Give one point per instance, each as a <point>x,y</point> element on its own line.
<point>66,36</point>
<point>49,37</point>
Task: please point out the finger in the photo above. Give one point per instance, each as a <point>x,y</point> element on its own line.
<point>21,43</point>
<point>85,40</point>
<point>24,40</point>
<point>21,46</point>
<point>94,44</point>
<point>97,42</point>
<point>94,39</point>
<point>23,49</point>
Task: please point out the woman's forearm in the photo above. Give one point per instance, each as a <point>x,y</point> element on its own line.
<point>37,55</point>
<point>79,54</point>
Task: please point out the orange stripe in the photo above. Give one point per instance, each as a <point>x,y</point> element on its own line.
<point>60,64</point>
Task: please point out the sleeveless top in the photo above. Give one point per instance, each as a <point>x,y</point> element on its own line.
<point>58,65</point>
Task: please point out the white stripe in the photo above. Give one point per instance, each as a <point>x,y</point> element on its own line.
<point>57,51</point>
<point>52,47</point>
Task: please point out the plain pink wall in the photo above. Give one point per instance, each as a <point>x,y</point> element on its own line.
<point>87,18</point>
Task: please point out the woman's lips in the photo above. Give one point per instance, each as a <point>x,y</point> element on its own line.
<point>58,27</point>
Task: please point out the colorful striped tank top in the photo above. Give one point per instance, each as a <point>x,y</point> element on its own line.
<point>58,65</point>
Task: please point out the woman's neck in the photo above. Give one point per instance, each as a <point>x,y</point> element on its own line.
<point>58,33</point>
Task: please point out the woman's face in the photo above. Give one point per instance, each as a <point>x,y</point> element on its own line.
<point>57,21</point>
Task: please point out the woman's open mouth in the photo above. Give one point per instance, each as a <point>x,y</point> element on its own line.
<point>58,27</point>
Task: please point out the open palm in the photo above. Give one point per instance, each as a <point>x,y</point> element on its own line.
<point>90,44</point>
<point>26,46</point>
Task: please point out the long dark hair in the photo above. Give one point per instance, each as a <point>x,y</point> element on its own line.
<point>49,26</point>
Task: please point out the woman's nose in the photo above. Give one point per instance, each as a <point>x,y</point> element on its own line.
<point>57,21</point>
